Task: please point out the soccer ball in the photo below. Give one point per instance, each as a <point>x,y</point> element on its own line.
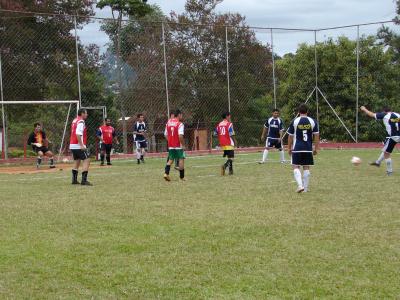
<point>65,160</point>
<point>356,161</point>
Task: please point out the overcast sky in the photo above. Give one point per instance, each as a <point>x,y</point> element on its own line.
<point>285,13</point>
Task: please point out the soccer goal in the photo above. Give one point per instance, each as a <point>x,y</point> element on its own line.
<point>19,117</point>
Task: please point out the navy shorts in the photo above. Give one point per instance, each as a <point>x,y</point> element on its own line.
<point>141,144</point>
<point>271,143</point>
<point>389,145</point>
<point>229,153</point>
<point>302,159</point>
<point>79,154</point>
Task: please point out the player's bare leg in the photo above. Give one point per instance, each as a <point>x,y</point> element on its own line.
<point>85,171</point>
<point>50,155</point>
<point>75,169</point>
<point>297,177</point>
<point>39,159</point>
<point>306,177</point>
<point>182,169</point>
<point>168,169</point>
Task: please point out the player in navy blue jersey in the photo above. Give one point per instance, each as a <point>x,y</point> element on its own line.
<point>391,120</point>
<point>273,129</point>
<point>139,135</point>
<point>302,132</point>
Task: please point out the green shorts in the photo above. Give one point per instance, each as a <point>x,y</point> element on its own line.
<point>176,154</point>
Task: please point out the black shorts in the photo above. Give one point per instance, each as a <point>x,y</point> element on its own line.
<point>229,153</point>
<point>271,143</point>
<point>106,147</point>
<point>389,145</point>
<point>141,144</point>
<point>302,159</point>
<point>42,149</point>
<point>79,154</point>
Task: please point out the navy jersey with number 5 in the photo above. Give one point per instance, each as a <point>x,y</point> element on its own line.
<point>274,126</point>
<point>302,129</point>
<point>391,120</point>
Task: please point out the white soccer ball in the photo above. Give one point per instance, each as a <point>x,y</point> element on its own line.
<point>65,160</point>
<point>356,161</point>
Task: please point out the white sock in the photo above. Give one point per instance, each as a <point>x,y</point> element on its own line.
<point>265,155</point>
<point>297,177</point>
<point>389,166</point>
<point>282,153</point>
<point>138,154</point>
<point>306,179</point>
<point>380,158</point>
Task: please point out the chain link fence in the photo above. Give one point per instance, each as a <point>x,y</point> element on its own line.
<point>204,70</point>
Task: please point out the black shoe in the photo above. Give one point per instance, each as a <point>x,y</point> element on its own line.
<point>375,164</point>
<point>76,182</point>
<point>109,164</point>
<point>52,166</point>
<point>102,164</point>
<point>86,183</point>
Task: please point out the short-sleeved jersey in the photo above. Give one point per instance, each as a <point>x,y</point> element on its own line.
<point>274,126</point>
<point>391,120</point>
<point>173,130</point>
<point>140,127</point>
<point>225,131</point>
<point>77,128</point>
<point>108,134</point>
<point>302,129</point>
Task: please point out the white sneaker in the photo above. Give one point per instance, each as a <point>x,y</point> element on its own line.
<point>300,189</point>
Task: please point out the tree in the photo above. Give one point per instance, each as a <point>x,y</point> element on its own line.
<point>119,9</point>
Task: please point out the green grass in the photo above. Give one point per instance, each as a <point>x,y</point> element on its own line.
<point>249,236</point>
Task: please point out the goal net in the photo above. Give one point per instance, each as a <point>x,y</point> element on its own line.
<point>19,117</point>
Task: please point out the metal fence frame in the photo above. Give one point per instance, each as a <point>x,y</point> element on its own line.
<point>271,30</point>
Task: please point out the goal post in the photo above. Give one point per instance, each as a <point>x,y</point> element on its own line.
<point>18,118</point>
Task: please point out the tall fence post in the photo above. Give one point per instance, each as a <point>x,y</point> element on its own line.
<point>227,67</point>
<point>358,80</point>
<point>273,66</point>
<point>165,67</point>
<point>316,73</point>
<point>78,63</point>
<point>3,114</point>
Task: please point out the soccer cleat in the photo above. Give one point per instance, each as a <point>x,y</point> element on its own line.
<point>102,164</point>
<point>300,190</point>
<point>182,179</point>
<point>223,170</point>
<point>52,166</point>
<point>261,162</point>
<point>109,164</point>
<point>86,183</point>
<point>76,182</point>
<point>166,177</point>
<point>375,164</point>
<point>389,173</point>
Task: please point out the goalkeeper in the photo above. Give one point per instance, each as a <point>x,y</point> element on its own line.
<point>39,142</point>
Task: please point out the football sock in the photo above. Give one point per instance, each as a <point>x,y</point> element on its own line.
<point>108,157</point>
<point>297,177</point>
<point>39,161</point>
<point>282,154</point>
<point>138,154</point>
<point>389,166</point>
<point>182,173</point>
<point>51,161</point>
<point>102,158</point>
<point>265,155</point>
<point>167,169</point>
<point>226,164</point>
<point>84,176</point>
<point>230,166</point>
<point>74,175</point>
<point>381,158</point>
<point>306,178</point>
<point>141,157</point>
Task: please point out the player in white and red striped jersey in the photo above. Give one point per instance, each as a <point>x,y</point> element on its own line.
<point>174,132</point>
<point>77,145</point>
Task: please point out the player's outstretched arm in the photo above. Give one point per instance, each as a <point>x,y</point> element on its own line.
<point>367,112</point>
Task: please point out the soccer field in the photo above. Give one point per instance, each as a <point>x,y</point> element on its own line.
<point>133,235</point>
